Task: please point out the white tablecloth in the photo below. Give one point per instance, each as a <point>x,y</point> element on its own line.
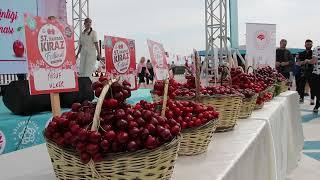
<point>260,148</point>
<point>284,120</point>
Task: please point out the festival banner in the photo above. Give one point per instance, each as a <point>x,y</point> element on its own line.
<point>261,45</point>
<point>12,37</point>
<point>121,59</point>
<point>51,56</point>
<point>158,60</point>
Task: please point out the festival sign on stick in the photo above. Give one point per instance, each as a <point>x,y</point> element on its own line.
<point>51,58</point>
<point>158,60</point>
<point>121,59</point>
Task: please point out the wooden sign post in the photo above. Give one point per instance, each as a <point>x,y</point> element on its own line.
<point>55,104</point>
<point>197,76</point>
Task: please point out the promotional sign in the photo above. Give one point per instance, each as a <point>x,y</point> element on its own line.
<point>121,59</point>
<point>12,37</point>
<point>51,56</point>
<point>158,60</point>
<point>261,45</point>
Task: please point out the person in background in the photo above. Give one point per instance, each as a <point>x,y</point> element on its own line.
<point>173,68</point>
<point>297,72</point>
<point>150,76</point>
<point>88,50</point>
<point>315,77</point>
<point>284,59</point>
<point>306,66</point>
<point>142,72</point>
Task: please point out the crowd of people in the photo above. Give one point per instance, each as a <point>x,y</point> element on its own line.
<point>304,68</point>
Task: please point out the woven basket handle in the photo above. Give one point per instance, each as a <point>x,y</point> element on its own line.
<point>241,69</point>
<point>253,71</point>
<point>165,97</point>
<point>96,117</point>
<point>225,68</point>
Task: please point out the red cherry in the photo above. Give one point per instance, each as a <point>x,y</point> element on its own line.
<point>92,148</point>
<point>110,103</point>
<point>141,121</point>
<point>147,115</point>
<point>85,157</point>
<point>161,120</point>
<point>197,122</point>
<point>132,146</point>
<point>103,79</point>
<point>169,114</point>
<point>151,142</point>
<point>160,129</point>
<point>110,136</point>
<point>137,114</point>
<point>96,85</point>
<point>166,134</point>
<point>95,137</point>
<point>52,125</point>
<point>154,121</point>
<point>134,132</point>
<point>105,145</point>
<point>67,136</point>
<point>122,137</point>
<point>133,124</point>
<point>97,158</point>
<point>120,113</point>
<point>122,124</point>
<point>82,134</point>
<point>144,133</point>
<point>98,92</point>
<point>175,130</point>
<point>190,124</point>
<point>81,147</point>
<point>151,128</point>
<point>61,141</point>
<point>75,107</point>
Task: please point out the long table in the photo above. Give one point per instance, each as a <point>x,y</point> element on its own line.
<point>263,147</point>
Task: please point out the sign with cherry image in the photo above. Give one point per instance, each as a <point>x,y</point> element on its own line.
<point>121,59</point>
<point>51,56</point>
<point>158,60</point>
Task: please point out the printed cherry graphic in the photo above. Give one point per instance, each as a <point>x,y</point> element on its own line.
<point>18,48</point>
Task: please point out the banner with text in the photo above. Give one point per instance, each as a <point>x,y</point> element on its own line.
<point>12,37</point>
<point>51,56</point>
<point>261,45</point>
<point>158,60</point>
<point>121,59</point>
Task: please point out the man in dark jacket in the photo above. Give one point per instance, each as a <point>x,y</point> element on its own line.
<point>304,60</point>
<point>284,59</point>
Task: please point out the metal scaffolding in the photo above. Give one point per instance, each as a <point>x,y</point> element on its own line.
<point>80,11</point>
<point>216,33</point>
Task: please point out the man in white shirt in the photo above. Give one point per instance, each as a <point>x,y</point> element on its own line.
<point>316,76</point>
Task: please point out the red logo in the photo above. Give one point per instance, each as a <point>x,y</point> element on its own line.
<point>261,37</point>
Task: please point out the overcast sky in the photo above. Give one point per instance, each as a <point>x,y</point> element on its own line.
<point>179,24</point>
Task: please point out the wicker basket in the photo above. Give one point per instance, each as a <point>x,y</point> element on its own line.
<point>260,106</point>
<point>271,90</point>
<point>144,164</point>
<point>257,106</point>
<point>228,107</point>
<point>196,140</point>
<point>283,86</point>
<point>247,107</point>
<point>154,164</point>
